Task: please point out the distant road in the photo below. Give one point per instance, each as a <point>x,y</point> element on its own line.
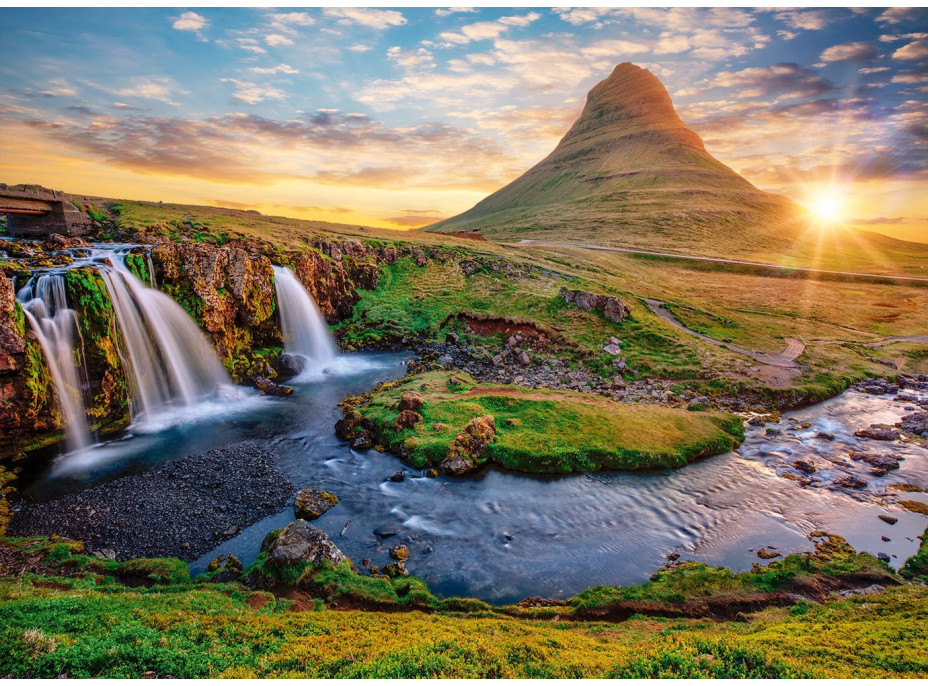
<point>765,265</point>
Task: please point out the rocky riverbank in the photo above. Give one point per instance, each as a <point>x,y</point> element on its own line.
<point>181,509</point>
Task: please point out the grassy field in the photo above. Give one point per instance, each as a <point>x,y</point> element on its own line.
<point>548,431</point>
<point>92,623</point>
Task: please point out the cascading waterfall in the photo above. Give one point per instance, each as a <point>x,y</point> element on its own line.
<point>305,331</point>
<point>44,302</point>
<point>171,363</point>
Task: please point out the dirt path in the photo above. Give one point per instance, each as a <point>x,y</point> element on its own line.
<point>775,370</point>
<point>897,339</point>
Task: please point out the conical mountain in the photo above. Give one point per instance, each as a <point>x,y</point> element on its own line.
<point>631,173</point>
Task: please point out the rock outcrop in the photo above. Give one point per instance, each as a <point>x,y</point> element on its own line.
<point>613,308</point>
<point>466,451</point>
<point>303,542</point>
<point>311,504</point>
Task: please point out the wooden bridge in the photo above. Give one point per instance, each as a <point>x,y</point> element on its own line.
<point>35,214</point>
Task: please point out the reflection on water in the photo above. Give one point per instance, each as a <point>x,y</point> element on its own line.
<point>503,536</point>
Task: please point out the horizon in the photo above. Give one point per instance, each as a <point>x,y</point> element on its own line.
<point>316,114</point>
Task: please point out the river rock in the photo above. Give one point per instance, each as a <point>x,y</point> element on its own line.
<point>268,387</point>
<point>400,552</point>
<point>879,432</point>
<point>362,440</point>
<point>303,542</point>
<point>311,504</point>
<point>915,424</point>
<point>807,466</point>
<point>850,482</point>
<point>395,569</point>
<point>289,364</point>
<point>881,462</point>
<point>227,566</point>
<point>467,448</point>
<point>406,420</point>
<point>398,476</point>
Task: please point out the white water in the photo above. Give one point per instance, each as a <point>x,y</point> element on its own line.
<point>54,324</point>
<point>170,362</point>
<point>305,331</point>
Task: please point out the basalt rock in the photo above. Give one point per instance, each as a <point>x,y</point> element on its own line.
<point>268,387</point>
<point>612,307</point>
<point>311,504</point>
<point>302,542</point>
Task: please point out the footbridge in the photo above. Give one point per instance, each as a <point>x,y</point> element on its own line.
<point>35,214</point>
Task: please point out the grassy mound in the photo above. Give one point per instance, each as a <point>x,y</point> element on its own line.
<point>545,431</point>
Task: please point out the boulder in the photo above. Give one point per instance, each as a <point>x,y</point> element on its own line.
<point>362,441</point>
<point>311,504</point>
<point>523,359</point>
<point>879,432</point>
<point>466,450</point>
<point>406,420</point>
<point>227,568</point>
<point>398,476</point>
<point>268,387</point>
<point>290,365</point>
<point>399,552</point>
<point>303,542</point>
<point>395,569</point>
<point>915,424</point>
<point>615,309</point>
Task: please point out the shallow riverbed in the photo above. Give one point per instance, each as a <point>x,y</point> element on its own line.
<point>502,536</point>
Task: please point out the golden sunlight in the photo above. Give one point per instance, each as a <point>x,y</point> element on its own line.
<point>828,205</point>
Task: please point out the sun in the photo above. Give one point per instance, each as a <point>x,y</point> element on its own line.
<point>828,205</point>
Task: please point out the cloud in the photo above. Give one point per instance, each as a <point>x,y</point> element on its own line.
<point>126,107</point>
<point>58,87</point>
<point>250,45</point>
<point>360,47</point>
<point>900,15</point>
<point>873,70</point>
<point>191,21</point>
<point>446,11</point>
<point>855,52</point>
<point>367,17</point>
<point>787,80</point>
<point>286,21</point>
<point>485,30</point>
<point>807,20</point>
<point>276,40</point>
<point>412,58</point>
<point>252,94</point>
<point>279,69</point>
<point>877,220</point>
<point>152,88</point>
<point>916,50</point>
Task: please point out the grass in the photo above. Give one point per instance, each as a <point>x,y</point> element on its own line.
<point>548,431</point>
<point>90,624</point>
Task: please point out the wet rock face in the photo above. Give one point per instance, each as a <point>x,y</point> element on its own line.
<point>303,542</point>
<point>228,291</point>
<point>27,405</point>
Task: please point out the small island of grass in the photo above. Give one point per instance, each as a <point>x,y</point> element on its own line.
<point>449,421</point>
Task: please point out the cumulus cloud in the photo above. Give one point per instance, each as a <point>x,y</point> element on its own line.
<point>916,50</point>
<point>855,52</point>
<point>359,47</point>
<point>275,40</point>
<point>250,45</point>
<point>367,17</point>
<point>485,30</point>
<point>286,22</point>
<point>159,88</point>
<point>191,21</point>
<point>411,59</point>
<point>807,20</point>
<point>446,11</point>
<point>901,15</point>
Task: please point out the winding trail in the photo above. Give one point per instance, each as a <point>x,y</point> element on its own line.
<point>720,260</point>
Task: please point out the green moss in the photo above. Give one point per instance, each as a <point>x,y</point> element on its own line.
<point>548,431</point>
<point>138,265</point>
<point>917,565</point>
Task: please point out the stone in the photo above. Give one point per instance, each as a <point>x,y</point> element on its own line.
<point>615,309</point>
<point>824,435</point>
<point>452,338</point>
<point>400,552</point>
<point>406,420</point>
<point>850,482</point>
<point>915,424</point>
<point>807,466</point>
<point>881,463</point>
<point>431,473</point>
<point>879,432</point>
<point>889,519</point>
<point>268,387</point>
<point>289,364</point>
<point>311,504</point>
<point>523,359</point>
<point>227,566</point>
<point>398,476</point>
<point>410,400</point>
<point>394,569</point>
<point>362,441</point>
<point>883,557</point>
<point>467,448</point>
<point>303,542</point>
<point>612,349</point>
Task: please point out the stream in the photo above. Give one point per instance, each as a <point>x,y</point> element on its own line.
<point>502,536</point>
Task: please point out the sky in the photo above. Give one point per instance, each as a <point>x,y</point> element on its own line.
<point>400,117</point>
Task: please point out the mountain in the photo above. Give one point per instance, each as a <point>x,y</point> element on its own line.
<point>630,173</point>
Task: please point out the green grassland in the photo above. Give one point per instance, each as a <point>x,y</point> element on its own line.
<point>548,431</point>
<point>97,621</point>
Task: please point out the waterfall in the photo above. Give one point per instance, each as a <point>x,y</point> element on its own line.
<point>54,324</point>
<point>305,331</point>
<point>171,363</point>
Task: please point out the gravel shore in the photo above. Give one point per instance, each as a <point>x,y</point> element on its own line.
<point>181,509</point>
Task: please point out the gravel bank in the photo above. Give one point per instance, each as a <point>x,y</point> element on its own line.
<point>181,509</point>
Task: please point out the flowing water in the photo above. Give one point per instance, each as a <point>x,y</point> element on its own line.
<point>305,332</point>
<point>54,324</point>
<point>499,536</point>
<point>503,536</point>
